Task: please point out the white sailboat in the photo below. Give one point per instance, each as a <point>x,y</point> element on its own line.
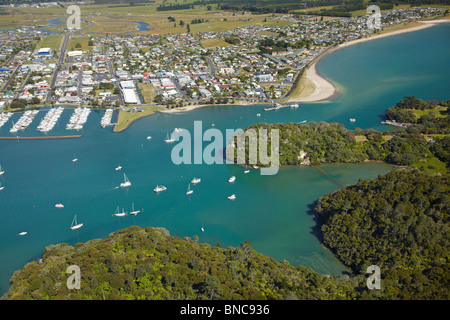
<point>159,189</point>
<point>189,191</point>
<point>75,225</point>
<point>118,168</point>
<point>134,212</point>
<point>1,187</point>
<point>232,179</point>
<point>169,140</point>
<point>196,180</point>
<point>120,214</point>
<point>59,205</point>
<point>2,171</point>
<point>126,182</point>
<point>22,233</point>
<point>232,197</point>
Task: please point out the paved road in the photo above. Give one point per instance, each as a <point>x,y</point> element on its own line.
<point>116,83</point>
<point>211,65</point>
<point>10,78</point>
<point>58,64</point>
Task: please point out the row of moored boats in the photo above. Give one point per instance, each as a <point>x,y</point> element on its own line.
<point>78,118</point>
<point>50,119</point>
<point>107,117</point>
<point>4,117</point>
<point>24,121</point>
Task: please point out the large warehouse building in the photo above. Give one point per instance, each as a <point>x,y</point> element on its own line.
<point>129,92</point>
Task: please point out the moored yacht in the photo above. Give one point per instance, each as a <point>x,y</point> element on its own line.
<point>169,140</point>
<point>120,214</point>
<point>126,182</point>
<point>75,225</point>
<point>159,189</point>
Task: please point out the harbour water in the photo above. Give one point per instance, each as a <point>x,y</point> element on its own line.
<point>272,212</point>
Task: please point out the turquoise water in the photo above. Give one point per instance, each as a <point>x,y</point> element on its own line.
<point>272,212</point>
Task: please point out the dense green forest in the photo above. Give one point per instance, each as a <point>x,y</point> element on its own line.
<point>137,263</point>
<point>399,222</point>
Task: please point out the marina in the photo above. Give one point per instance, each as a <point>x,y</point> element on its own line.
<point>24,121</point>
<point>78,118</point>
<point>4,117</point>
<point>106,119</point>
<point>50,119</point>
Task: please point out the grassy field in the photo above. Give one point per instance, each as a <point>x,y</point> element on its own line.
<point>212,43</point>
<point>147,91</point>
<point>82,40</point>
<point>436,111</point>
<point>303,88</point>
<point>51,41</point>
<point>125,118</point>
<point>113,18</point>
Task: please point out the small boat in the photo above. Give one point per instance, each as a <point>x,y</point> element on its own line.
<point>232,179</point>
<point>232,197</point>
<point>213,125</point>
<point>352,119</point>
<point>159,189</point>
<point>169,140</point>
<point>74,159</point>
<point>118,168</point>
<point>134,212</point>
<point>196,180</point>
<point>1,187</point>
<point>149,137</point>
<point>126,182</point>
<point>189,191</point>
<point>120,214</point>
<point>22,233</point>
<point>2,171</point>
<point>59,205</point>
<point>294,106</point>
<point>247,171</point>
<point>304,121</point>
<point>203,230</point>
<point>74,224</point>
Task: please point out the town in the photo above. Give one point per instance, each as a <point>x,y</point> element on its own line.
<point>249,64</point>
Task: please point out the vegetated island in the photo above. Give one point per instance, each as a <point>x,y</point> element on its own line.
<point>423,143</point>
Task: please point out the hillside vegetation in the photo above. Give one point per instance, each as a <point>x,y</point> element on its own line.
<point>137,263</point>
<point>399,222</point>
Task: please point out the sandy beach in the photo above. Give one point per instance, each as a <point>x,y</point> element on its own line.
<point>313,87</point>
<point>324,89</point>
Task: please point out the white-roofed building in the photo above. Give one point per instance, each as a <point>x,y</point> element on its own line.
<point>127,84</point>
<point>129,95</point>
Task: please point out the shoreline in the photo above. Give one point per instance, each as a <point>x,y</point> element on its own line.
<point>324,90</point>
